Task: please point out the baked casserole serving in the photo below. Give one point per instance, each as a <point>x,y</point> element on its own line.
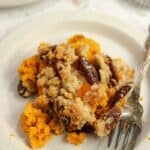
<point>78,90</point>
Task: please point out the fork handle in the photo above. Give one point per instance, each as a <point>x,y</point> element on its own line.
<point>142,69</point>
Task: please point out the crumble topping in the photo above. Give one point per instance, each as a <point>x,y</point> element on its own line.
<point>78,89</point>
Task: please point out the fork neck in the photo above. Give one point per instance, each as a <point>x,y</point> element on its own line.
<point>141,71</point>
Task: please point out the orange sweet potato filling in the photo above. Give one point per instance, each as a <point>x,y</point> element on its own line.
<point>28,71</point>
<point>93,100</point>
<point>37,124</point>
<point>34,124</point>
<point>79,41</point>
<point>84,88</point>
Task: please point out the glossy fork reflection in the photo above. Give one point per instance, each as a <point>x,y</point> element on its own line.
<point>130,123</point>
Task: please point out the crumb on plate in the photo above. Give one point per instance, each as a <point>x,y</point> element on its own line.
<point>76,138</point>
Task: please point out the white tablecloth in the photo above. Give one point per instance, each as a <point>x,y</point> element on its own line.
<point>123,9</point>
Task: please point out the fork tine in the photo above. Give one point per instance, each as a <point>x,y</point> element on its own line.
<point>135,133</point>
<point>119,133</point>
<point>127,135</point>
<point>110,137</point>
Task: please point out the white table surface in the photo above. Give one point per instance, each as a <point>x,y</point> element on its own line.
<point>123,9</point>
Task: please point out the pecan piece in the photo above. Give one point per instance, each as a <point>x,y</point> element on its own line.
<point>87,128</point>
<point>90,72</point>
<point>53,48</point>
<point>122,92</point>
<point>112,117</point>
<point>114,77</point>
<point>43,53</point>
<point>23,91</point>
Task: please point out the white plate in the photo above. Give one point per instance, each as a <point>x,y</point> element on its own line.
<point>117,39</point>
<point>12,3</point>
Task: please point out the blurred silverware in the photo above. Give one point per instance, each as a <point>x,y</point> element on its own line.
<point>143,3</point>
<point>81,3</point>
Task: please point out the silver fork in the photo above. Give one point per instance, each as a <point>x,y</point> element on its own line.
<point>130,124</point>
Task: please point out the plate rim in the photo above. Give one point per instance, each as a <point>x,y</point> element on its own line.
<point>76,15</point>
<point>16,3</point>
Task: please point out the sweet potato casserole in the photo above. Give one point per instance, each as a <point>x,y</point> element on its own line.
<point>78,90</point>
